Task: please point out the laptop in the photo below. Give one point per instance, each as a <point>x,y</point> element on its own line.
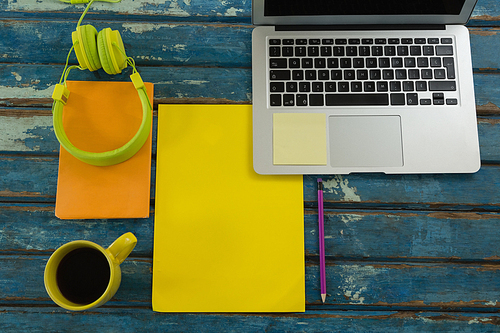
<point>348,86</point>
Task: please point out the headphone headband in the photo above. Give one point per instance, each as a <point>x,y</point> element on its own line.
<point>60,96</point>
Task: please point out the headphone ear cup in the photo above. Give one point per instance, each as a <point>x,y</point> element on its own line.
<point>85,39</point>
<point>109,44</point>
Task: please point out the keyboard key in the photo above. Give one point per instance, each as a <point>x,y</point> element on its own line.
<point>384,62</point>
<point>414,74</point>
<point>356,86</point>
<point>330,87</point>
<point>323,75</point>
<point>287,51</point>
<point>314,42</point>
<point>364,51</point>
<point>423,62</point>
<point>313,51</point>
<point>402,50</point>
<point>358,63</point>
<point>301,99</point>
<point>435,61</point>
<point>345,63</point>
<point>277,63</point>
<point>420,41</point>
<point>398,99</point>
<point>275,100</point>
<point>326,51</point>
<point>375,74</point>
<point>294,63</point>
<point>451,101</point>
<point>410,62</point>
<point>300,51</point>
<point>274,42</point>
<point>395,85</point>
<point>349,74</point>
<point>382,86</point>
<point>408,86</point>
<point>421,85</point>
<point>310,75</point>
<point>275,51</point>
<point>425,101</point>
<point>288,100</point>
<point>362,74</point>
<point>291,86</point>
<point>412,99</point>
<point>446,40</point>
<point>319,63</point>
<point>307,63</point>
<point>317,87</point>
<point>442,86</point>
<point>277,87</point>
<point>444,50</point>
<point>328,41</point>
<point>450,67</point>
<point>428,50</point>
<point>380,41</point>
<point>356,99</point>
<point>332,62</point>
<point>433,40</point>
<point>341,41</point>
<point>304,86</point>
<point>336,74</point>
<point>389,51</point>
<point>369,86</point>
<point>406,40</point>
<point>298,75</point>
<point>367,41</point>
<point>354,41</point>
<point>388,74</point>
<point>280,75</point>
<point>415,50</point>
<point>301,41</point>
<point>426,73</point>
<point>393,40</point>
<point>401,74</point>
<point>343,87</point>
<point>351,51</point>
<point>288,41</point>
<point>439,74</point>
<point>338,51</point>
<point>397,62</point>
<point>316,100</point>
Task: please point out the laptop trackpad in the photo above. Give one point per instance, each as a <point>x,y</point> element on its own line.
<point>365,141</point>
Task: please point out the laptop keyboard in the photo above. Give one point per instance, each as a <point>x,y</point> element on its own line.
<point>362,71</point>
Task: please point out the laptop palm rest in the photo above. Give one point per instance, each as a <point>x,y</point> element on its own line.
<point>365,141</point>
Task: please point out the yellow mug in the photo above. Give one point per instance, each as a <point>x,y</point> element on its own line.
<point>82,275</point>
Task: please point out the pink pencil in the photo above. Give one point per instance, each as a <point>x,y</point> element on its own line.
<point>321,240</point>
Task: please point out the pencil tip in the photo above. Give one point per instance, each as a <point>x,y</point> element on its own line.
<point>323,297</point>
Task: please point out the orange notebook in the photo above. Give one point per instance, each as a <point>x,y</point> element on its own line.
<point>102,116</point>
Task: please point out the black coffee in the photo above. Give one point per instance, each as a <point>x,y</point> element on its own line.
<point>83,275</point>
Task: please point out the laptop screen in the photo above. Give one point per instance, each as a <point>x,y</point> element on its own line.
<point>362,7</point>
<point>361,12</point>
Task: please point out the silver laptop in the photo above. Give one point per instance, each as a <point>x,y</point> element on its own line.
<point>343,86</point>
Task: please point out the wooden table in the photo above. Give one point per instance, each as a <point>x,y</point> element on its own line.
<point>408,252</point>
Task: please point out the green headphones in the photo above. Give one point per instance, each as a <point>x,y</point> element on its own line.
<point>93,51</point>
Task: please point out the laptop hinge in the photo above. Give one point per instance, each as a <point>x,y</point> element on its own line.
<point>360,27</point>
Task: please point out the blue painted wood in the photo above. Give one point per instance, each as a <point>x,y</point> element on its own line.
<point>392,235</point>
<point>144,320</point>
<point>404,253</point>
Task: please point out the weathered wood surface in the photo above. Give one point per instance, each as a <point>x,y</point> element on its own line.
<point>404,252</point>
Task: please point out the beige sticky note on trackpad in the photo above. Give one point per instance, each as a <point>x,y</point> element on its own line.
<point>299,139</point>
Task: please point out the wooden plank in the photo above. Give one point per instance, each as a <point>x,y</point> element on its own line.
<point>154,44</point>
<point>30,131</point>
<point>414,236</point>
<point>34,178</point>
<point>353,284</point>
<point>145,320</point>
<point>32,85</point>
<point>175,44</point>
<point>147,10</point>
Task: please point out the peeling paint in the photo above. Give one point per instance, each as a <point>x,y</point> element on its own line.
<point>17,132</point>
<point>338,182</point>
<point>17,76</point>
<point>26,92</point>
<point>232,11</point>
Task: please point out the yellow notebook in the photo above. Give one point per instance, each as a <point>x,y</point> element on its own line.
<point>226,239</point>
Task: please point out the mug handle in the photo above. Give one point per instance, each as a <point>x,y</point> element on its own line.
<point>122,246</point>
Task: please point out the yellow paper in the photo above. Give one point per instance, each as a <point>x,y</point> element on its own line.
<point>299,139</point>
<point>102,116</point>
<point>226,239</point>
